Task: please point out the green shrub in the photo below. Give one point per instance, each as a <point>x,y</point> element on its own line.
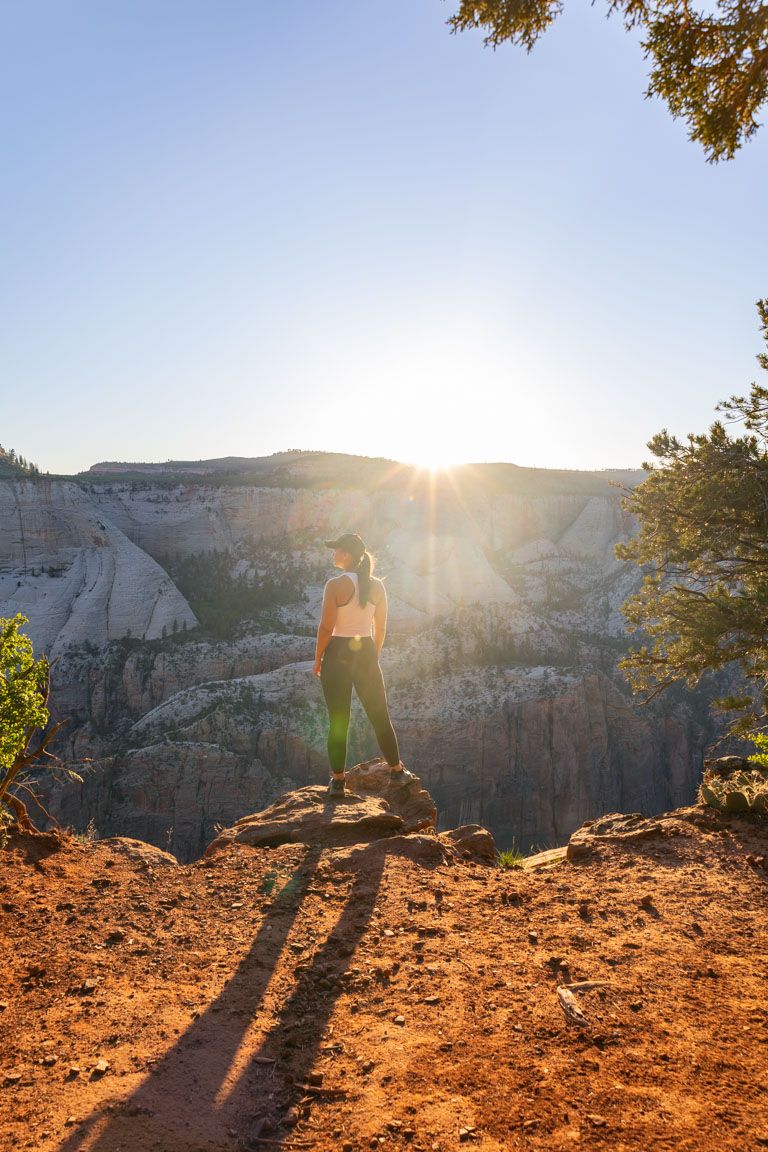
<point>510,858</point>
<point>24,688</point>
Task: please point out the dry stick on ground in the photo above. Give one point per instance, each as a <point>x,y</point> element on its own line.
<point>587,985</point>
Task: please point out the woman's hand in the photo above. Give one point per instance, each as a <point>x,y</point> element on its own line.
<point>317,666</point>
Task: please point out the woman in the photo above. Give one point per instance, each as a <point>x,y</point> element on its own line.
<point>347,655</point>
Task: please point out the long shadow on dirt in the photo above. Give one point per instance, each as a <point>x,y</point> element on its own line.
<point>232,1079</point>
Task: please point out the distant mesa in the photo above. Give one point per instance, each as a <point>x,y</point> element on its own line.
<point>226,465</point>
<point>296,468</point>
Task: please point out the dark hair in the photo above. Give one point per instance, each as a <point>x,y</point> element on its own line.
<point>364,570</point>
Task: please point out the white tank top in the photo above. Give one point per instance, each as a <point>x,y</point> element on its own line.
<point>352,619</point>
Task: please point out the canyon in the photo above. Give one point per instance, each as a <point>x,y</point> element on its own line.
<point>180,604</point>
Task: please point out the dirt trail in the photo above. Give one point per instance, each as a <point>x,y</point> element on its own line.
<point>350,999</point>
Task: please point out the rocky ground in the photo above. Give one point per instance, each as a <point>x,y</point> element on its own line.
<point>392,994</point>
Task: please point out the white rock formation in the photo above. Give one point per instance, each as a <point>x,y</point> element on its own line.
<point>75,575</point>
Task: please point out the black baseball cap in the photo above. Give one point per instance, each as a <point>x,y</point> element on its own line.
<point>348,542</point>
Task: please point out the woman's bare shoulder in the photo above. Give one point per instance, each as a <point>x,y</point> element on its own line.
<point>338,583</point>
<point>378,591</point>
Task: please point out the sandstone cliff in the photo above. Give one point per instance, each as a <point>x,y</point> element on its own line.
<point>76,576</point>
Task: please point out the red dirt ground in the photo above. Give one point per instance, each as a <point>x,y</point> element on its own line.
<point>304,998</point>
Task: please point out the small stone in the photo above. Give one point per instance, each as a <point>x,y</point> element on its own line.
<point>291,1118</point>
<point>598,1121</point>
<point>533,938</point>
<point>315,1079</point>
<point>647,901</point>
<point>400,1020</point>
<point>101,1067</point>
<point>636,1005</point>
<point>49,1061</point>
<point>74,1070</point>
<point>368,1067</point>
<point>70,1120</point>
<point>432,1000</point>
<point>388,932</point>
<point>12,1077</point>
<point>88,986</point>
<point>517,1027</point>
<point>3,1005</point>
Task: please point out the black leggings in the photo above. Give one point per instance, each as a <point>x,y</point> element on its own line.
<point>347,663</point>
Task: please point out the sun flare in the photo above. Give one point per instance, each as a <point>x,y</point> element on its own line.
<point>435,461</point>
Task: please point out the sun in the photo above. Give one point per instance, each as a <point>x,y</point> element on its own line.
<point>435,461</point>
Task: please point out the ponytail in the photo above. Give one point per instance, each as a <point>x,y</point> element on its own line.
<point>364,570</point>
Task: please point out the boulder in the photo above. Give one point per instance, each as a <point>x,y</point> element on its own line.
<point>725,765</point>
<point>470,842</point>
<point>309,816</point>
<point>138,852</point>
<point>412,803</point>
<point>613,826</point>
<point>421,848</point>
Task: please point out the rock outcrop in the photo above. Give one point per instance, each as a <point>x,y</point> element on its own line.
<point>140,853</point>
<point>309,816</point>
<point>398,815</point>
<point>621,830</point>
<point>412,803</point>
<point>371,809</point>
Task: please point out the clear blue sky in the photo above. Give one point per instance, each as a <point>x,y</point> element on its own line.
<point>235,227</point>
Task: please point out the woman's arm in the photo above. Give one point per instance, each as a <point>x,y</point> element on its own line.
<point>380,618</point>
<point>327,622</point>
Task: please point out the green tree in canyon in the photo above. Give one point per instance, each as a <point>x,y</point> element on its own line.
<point>703,542</point>
<point>710,67</point>
<point>24,688</point>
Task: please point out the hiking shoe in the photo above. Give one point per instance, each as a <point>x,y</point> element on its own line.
<point>400,777</point>
<point>336,789</point>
